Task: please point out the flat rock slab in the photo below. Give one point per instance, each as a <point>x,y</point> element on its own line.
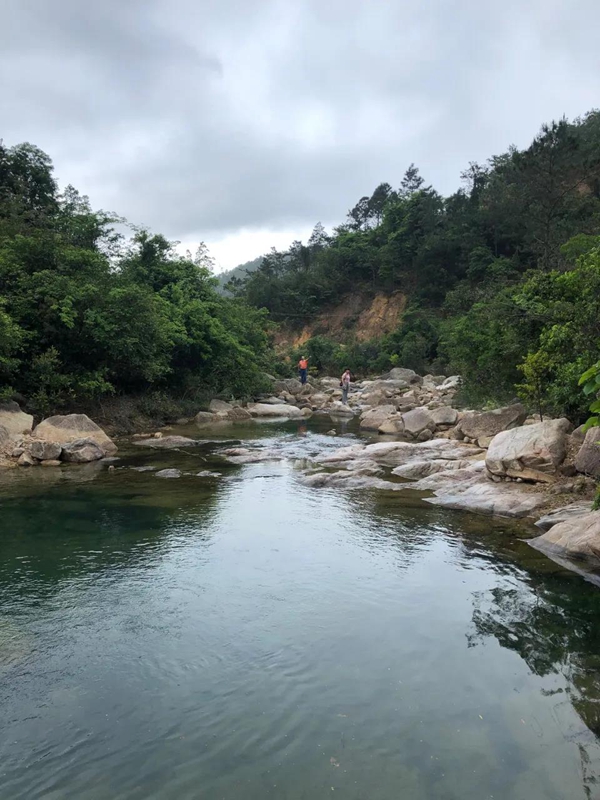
<point>563,514</point>
<point>578,537</point>
<point>168,442</point>
<point>274,410</point>
<point>168,473</point>
<point>482,496</point>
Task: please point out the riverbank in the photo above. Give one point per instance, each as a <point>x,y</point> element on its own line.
<point>498,462</point>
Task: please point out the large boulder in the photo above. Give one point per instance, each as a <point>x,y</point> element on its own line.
<point>238,414</point>
<point>45,451</point>
<point>206,418</point>
<point>588,457</point>
<point>81,451</point>
<point>533,452</point>
<point>338,409</point>
<point>71,428</point>
<point>445,416</point>
<point>488,423</point>
<point>393,426</point>
<point>219,407</point>
<point>417,421</point>
<point>291,385</point>
<point>402,374</point>
<point>578,537</point>
<point>15,421</point>
<point>372,420</point>
<point>274,410</point>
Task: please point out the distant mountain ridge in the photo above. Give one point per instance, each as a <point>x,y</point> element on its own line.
<point>237,272</point>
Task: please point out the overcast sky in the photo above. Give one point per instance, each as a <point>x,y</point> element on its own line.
<point>244,122</point>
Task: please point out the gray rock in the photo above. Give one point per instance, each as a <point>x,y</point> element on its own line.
<point>206,473</point>
<point>393,426</point>
<point>53,462</point>
<point>45,451</point>
<point>291,385</point>
<point>489,423</point>
<point>71,428</point>
<point>451,383</point>
<point>469,490</point>
<point>393,454</point>
<point>82,451</point>
<point>588,457</point>
<point>444,416</point>
<point>14,420</point>
<point>418,420</point>
<point>533,452</point>
<point>578,434</point>
<point>26,460</point>
<point>372,420</point>
<point>563,514</point>
<point>402,374</point>
<point>278,410</point>
<point>238,414</point>
<point>168,473</point>
<point>338,409</point>
<point>578,537</point>
<point>205,418</point>
<point>219,407</point>
<point>167,442</point>
<point>417,470</point>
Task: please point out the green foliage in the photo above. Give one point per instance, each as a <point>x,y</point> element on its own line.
<point>502,277</point>
<point>85,313</point>
<point>590,380</point>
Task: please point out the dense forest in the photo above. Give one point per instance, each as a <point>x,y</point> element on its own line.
<point>502,277</point>
<point>90,308</point>
<point>502,280</point>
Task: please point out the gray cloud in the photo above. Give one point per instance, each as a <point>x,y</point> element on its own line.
<point>199,118</point>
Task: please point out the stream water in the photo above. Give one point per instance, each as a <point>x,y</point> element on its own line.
<point>242,637</point>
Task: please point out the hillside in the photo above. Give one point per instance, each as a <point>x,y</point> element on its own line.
<point>498,281</point>
<point>240,273</point>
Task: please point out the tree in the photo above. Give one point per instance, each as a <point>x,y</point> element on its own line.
<point>411,182</point>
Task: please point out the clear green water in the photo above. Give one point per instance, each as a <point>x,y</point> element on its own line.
<point>245,638</point>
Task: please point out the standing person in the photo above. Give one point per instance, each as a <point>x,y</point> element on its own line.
<point>303,369</point>
<point>345,384</point>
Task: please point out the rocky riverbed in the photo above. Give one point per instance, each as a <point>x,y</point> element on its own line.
<point>498,462</point>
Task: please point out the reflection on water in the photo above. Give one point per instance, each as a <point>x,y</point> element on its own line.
<point>248,638</point>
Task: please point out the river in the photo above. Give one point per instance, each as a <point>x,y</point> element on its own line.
<point>243,637</point>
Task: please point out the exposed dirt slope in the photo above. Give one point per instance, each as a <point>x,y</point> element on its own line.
<point>360,315</point>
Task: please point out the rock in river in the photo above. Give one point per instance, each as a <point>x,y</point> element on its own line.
<point>69,428</point>
<point>45,451</point>
<point>274,410</point>
<point>81,451</point>
<point>578,537</point>
<point>168,442</point>
<point>168,473</point>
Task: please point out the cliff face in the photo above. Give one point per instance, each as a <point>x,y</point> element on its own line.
<point>360,316</point>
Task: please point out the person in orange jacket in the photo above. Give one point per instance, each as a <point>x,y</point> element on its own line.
<point>303,369</point>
